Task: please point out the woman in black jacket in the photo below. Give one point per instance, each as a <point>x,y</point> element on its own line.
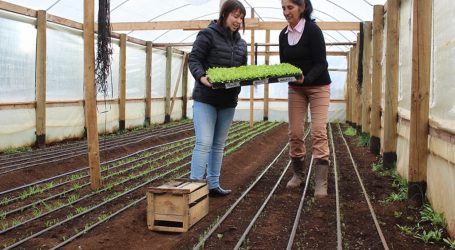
<point>302,45</point>
<point>219,45</point>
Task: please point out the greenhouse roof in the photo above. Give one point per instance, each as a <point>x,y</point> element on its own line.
<point>185,10</point>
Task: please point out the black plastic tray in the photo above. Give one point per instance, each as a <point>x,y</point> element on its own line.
<point>228,85</point>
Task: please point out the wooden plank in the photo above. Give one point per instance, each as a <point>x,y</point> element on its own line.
<point>420,89</point>
<point>148,83</point>
<point>391,85</point>
<point>376,79</point>
<point>252,61</point>
<point>17,9</point>
<point>167,104</point>
<point>169,204</point>
<point>198,193</point>
<point>91,122</point>
<point>185,86</point>
<point>266,86</point>
<point>198,211</point>
<point>41,53</point>
<point>366,85</point>
<point>250,24</point>
<point>65,22</point>
<point>122,83</point>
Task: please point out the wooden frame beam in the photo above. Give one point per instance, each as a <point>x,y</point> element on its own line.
<point>250,24</point>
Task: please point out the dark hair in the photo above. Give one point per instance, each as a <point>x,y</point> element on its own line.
<point>228,7</point>
<point>308,8</point>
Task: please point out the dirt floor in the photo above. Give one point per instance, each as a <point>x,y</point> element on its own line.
<point>316,228</point>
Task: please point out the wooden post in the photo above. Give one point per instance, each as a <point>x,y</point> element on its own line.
<point>252,86</point>
<point>90,96</point>
<point>167,102</point>
<point>376,81</point>
<point>177,84</point>
<point>41,53</point>
<point>421,68</point>
<point>266,86</point>
<point>366,86</point>
<point>148,84</point>
<point>185,86</point>
<point>391,85</point>
<point>122,84</point>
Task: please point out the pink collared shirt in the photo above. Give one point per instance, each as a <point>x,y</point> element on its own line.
<point>294,34</point>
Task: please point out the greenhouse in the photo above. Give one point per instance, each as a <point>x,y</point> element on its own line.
<point>100,124</point>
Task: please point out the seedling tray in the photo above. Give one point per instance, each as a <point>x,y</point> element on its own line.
<point>233,84</point>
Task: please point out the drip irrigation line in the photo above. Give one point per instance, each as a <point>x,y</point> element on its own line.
<point>376,223</point>
<point>266,128</point>
<point>299,210</point>
<point>62,194</point>
<point>264,204</point>
<point>8,159</point>
<point>86,230</point>
<point>86,168</point>
<point>261,129</point>
<point>88,210</point>
<point>231,208</point>
<point>337,195</point>
<point>77,153</point>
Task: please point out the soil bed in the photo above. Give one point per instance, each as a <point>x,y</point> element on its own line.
<point>317,227</point>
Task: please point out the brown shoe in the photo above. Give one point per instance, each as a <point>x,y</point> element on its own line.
<point>320,175</point>
<point>297,169</point>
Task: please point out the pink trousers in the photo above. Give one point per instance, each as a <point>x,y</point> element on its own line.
<point>317,98</point>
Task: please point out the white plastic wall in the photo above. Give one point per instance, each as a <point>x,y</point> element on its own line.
<point>441,162</point>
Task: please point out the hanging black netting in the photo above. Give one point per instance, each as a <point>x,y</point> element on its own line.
<point>104,47</point>
<point>360,62</point>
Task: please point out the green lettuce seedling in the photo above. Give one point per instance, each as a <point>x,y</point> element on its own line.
<point>251,72</point>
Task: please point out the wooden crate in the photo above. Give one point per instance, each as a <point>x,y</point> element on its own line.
<point>176,206</point>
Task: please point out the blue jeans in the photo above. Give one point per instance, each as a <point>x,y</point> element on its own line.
<point>211,126</point>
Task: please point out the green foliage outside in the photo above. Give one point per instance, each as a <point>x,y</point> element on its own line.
<point>250,72</point>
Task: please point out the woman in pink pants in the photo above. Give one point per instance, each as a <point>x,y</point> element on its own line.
<point>302,45</point>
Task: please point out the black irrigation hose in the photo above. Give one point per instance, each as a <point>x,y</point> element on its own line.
<point>74,189</point>
<point>78,153</point>
<point>88,210</point>
<point>86,168</point>
<point>83,145</point>
<point>264,204</point>
<point>201,242</point>
<point>373,215</point>
<point>237,128</point>
<point>207,235</point>
<point>266,128</point>
<point>299,210</point>
<point>86,230</point>
<point>337,192</point>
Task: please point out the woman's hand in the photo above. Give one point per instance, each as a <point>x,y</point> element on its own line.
<point>299,81</point>
<point>204,80</point>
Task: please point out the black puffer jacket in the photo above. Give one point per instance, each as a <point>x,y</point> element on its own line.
<point>216,46</point>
